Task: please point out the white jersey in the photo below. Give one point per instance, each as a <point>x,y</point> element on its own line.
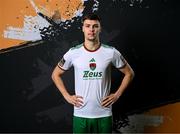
<point>92,77</point>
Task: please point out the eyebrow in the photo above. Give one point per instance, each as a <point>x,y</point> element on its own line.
<point>92,24</point>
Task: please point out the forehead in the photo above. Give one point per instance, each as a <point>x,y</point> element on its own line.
<point>91,22</point>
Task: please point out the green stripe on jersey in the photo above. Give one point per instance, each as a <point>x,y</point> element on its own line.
<point>77,46</point>
<point>107,46</point>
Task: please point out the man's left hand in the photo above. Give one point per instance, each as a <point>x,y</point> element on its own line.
<point>109,100</point>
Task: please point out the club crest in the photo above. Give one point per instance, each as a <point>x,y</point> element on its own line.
<point>92,64</point>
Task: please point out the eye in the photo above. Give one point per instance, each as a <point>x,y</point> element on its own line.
<point>96,26</point>
<point>87,25</point>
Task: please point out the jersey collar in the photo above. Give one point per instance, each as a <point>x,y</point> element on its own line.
<point>91,50</point>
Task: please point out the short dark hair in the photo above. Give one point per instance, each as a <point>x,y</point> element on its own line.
<point>91,16</point>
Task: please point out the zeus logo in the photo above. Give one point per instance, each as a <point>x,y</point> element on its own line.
<point>89,74</point>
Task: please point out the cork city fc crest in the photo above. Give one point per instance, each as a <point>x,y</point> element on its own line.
<point>92,64</point>
<point>92,74</point>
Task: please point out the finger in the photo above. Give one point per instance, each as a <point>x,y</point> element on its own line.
<point>105,98</point>
<point>74,102</point>
<point>105,102</point>
<point>78,105</point>
<point>74,99</point>
<point>80,101</point>
<point>77,102</point>
<point>78,96</point>
<point>108,103</point>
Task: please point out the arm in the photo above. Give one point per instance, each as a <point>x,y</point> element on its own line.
<point>72,99</point>
<point>128,76</point>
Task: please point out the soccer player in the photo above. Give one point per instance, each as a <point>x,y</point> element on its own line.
<point>92,62</point>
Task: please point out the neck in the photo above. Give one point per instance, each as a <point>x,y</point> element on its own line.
<point>92,45</point>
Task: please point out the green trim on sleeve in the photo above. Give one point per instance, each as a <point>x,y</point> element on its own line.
<point>77,47</point>
<point>107,46</point>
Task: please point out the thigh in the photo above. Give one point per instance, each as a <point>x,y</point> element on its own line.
<point>105,125</point>
<point>79,125</point>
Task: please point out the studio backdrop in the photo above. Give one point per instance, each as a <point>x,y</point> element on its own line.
<point>35,34</point>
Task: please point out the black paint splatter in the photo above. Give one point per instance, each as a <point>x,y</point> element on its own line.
<point>57,30</point>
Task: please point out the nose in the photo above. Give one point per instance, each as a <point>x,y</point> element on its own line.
<point>91,28</point>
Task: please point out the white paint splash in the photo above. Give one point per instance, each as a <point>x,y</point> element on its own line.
<point>79,13</point>
<point>30,30</point>
<point>34,6</point>
<point>95,6</point>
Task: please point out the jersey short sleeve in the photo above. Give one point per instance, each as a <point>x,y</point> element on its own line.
<point>118,60</point>
<point>66,62</point>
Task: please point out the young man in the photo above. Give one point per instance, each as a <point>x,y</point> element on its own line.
<point>92,62</point>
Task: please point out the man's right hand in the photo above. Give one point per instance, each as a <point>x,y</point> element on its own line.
<point>75,100</point>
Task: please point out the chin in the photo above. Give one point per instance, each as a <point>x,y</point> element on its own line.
<point>91,39</point>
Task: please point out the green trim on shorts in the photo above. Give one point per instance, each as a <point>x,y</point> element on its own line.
<point>92,125</point>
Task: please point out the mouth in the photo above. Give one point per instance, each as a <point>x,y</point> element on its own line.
<point>91,34</point>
